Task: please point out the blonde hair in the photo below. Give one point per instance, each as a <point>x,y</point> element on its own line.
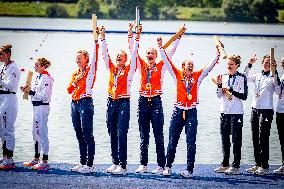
<point>236,59</point>
<point>85,53</point>
<point>264,57</point>
<point>44,62</point>
<point>6,48</point>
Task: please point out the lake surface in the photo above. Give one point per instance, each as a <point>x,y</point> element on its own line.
<point>61,49</point>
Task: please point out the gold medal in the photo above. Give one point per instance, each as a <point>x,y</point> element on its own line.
<point>148,85</point>
<point>189,96</point>
<point>113,89</point>
<point>230,98</point>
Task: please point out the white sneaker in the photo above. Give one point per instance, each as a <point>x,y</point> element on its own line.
<point>77,167</point>
<point>221,169</point>
<point>142,169</point>
<point>261,171</point>
<point>111,168</point>
<point>279,171</point>
<point>158,171</point>
<point>186,174</point>
<point>86,169</point>
<point>252,169</point>
<point>232,171</point>
<point>119,171</point>
<point>167,171</point>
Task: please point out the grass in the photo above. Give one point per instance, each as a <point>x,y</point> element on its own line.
<point>206,14</point>
<point>32,9</point>
<point>281,16</point>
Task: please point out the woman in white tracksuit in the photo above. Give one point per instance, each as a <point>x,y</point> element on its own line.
<point>40,93</point>
<point>9,79</point>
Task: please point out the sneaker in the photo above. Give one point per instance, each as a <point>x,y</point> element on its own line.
<point>279,171</point>
<point>221,169</point>
<point>30,163</point>
<point>119,171</point>
<point>232,171</point>
<point>167,171</point>
<point>86,169</point>
<point>158,171</point>
<point>111,168</point>
<point>261,171</point>
<point>3,159</point>
<point>7,164</point>
<point>186,174</point>
<point>77,167</point>
<point>142,169</point>
<point>41,166</point>
<point>252,169</point>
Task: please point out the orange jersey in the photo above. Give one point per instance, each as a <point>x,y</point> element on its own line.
<point>154,75</point>
<point>120,79</point>
<point>80,88</point>
<point>187,97</point>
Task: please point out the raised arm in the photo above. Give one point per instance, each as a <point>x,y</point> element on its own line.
<point>105,52</point>
<point>169,65</point>
<point>209,66</point>
<point>130,35</point>
<point>250,77</point>
<point>133,61</point>
<point>175,45</point>
<point>92,72</point>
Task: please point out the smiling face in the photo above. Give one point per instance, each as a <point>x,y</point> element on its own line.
<point>151,55</point>
<point>188,67</point>
<point>82,60</point>
<point>121,58</point>
<point>232,67</point>
<point>38,67</point>
<point>4,56</point>
<point>266,64</point>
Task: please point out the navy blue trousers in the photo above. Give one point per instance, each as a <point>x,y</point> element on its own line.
<point>280,128</point>
<point>118,116</point>
<point>261,120</point>
<point>82,112</point>
<point>177,123</point>
<point>150,110</point>
<point>231,124</point>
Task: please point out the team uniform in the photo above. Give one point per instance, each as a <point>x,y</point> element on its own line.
<point>231,119</point>
<point>82,111</point>
<point>41,92</point>
<point>261,117</point>
<point>150,109</point>
<point>185,113</point>
<point>118,108</point>
<point>280,120</point>
<point>9,79</point>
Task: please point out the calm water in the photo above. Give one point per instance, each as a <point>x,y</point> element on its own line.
<point>61,49</point>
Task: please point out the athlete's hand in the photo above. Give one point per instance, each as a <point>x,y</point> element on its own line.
<point>130,27</point>
<point>103,32</point>
<point>219,79</point>
<point>159,41</point>
<point>253,59</point>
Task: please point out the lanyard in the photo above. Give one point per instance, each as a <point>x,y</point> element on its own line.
<point>115,75</point>
<point>281,88</point>
<point>188,84</point>
<point>234,79</point>
<point>261,81</point>
<point>149,72</point>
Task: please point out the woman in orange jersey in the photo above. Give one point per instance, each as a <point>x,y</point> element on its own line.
<point>118,106</point>
<point>82,108</point>
<point>150,108</point>
<point>185,113</point>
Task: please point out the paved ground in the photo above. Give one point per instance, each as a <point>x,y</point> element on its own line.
<point>59,176</point>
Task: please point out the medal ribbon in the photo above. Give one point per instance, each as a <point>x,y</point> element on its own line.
<point>188,84</point>
<point>115,76</point>
<point>149,72</point>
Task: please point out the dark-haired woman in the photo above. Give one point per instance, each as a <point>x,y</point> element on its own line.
<point>262,113</point>
<point>9,79</point>
<point>40,96</point>
<point>231,120</point>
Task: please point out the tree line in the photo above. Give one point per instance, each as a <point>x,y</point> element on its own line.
<point>232,10</point>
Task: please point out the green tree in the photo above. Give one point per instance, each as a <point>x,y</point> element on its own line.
<point>126,8</point>
<point>264,11</point>
<point>56,11</point>
<point>88,7</point>
<point>237,10</point>
<point>152,10</point>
